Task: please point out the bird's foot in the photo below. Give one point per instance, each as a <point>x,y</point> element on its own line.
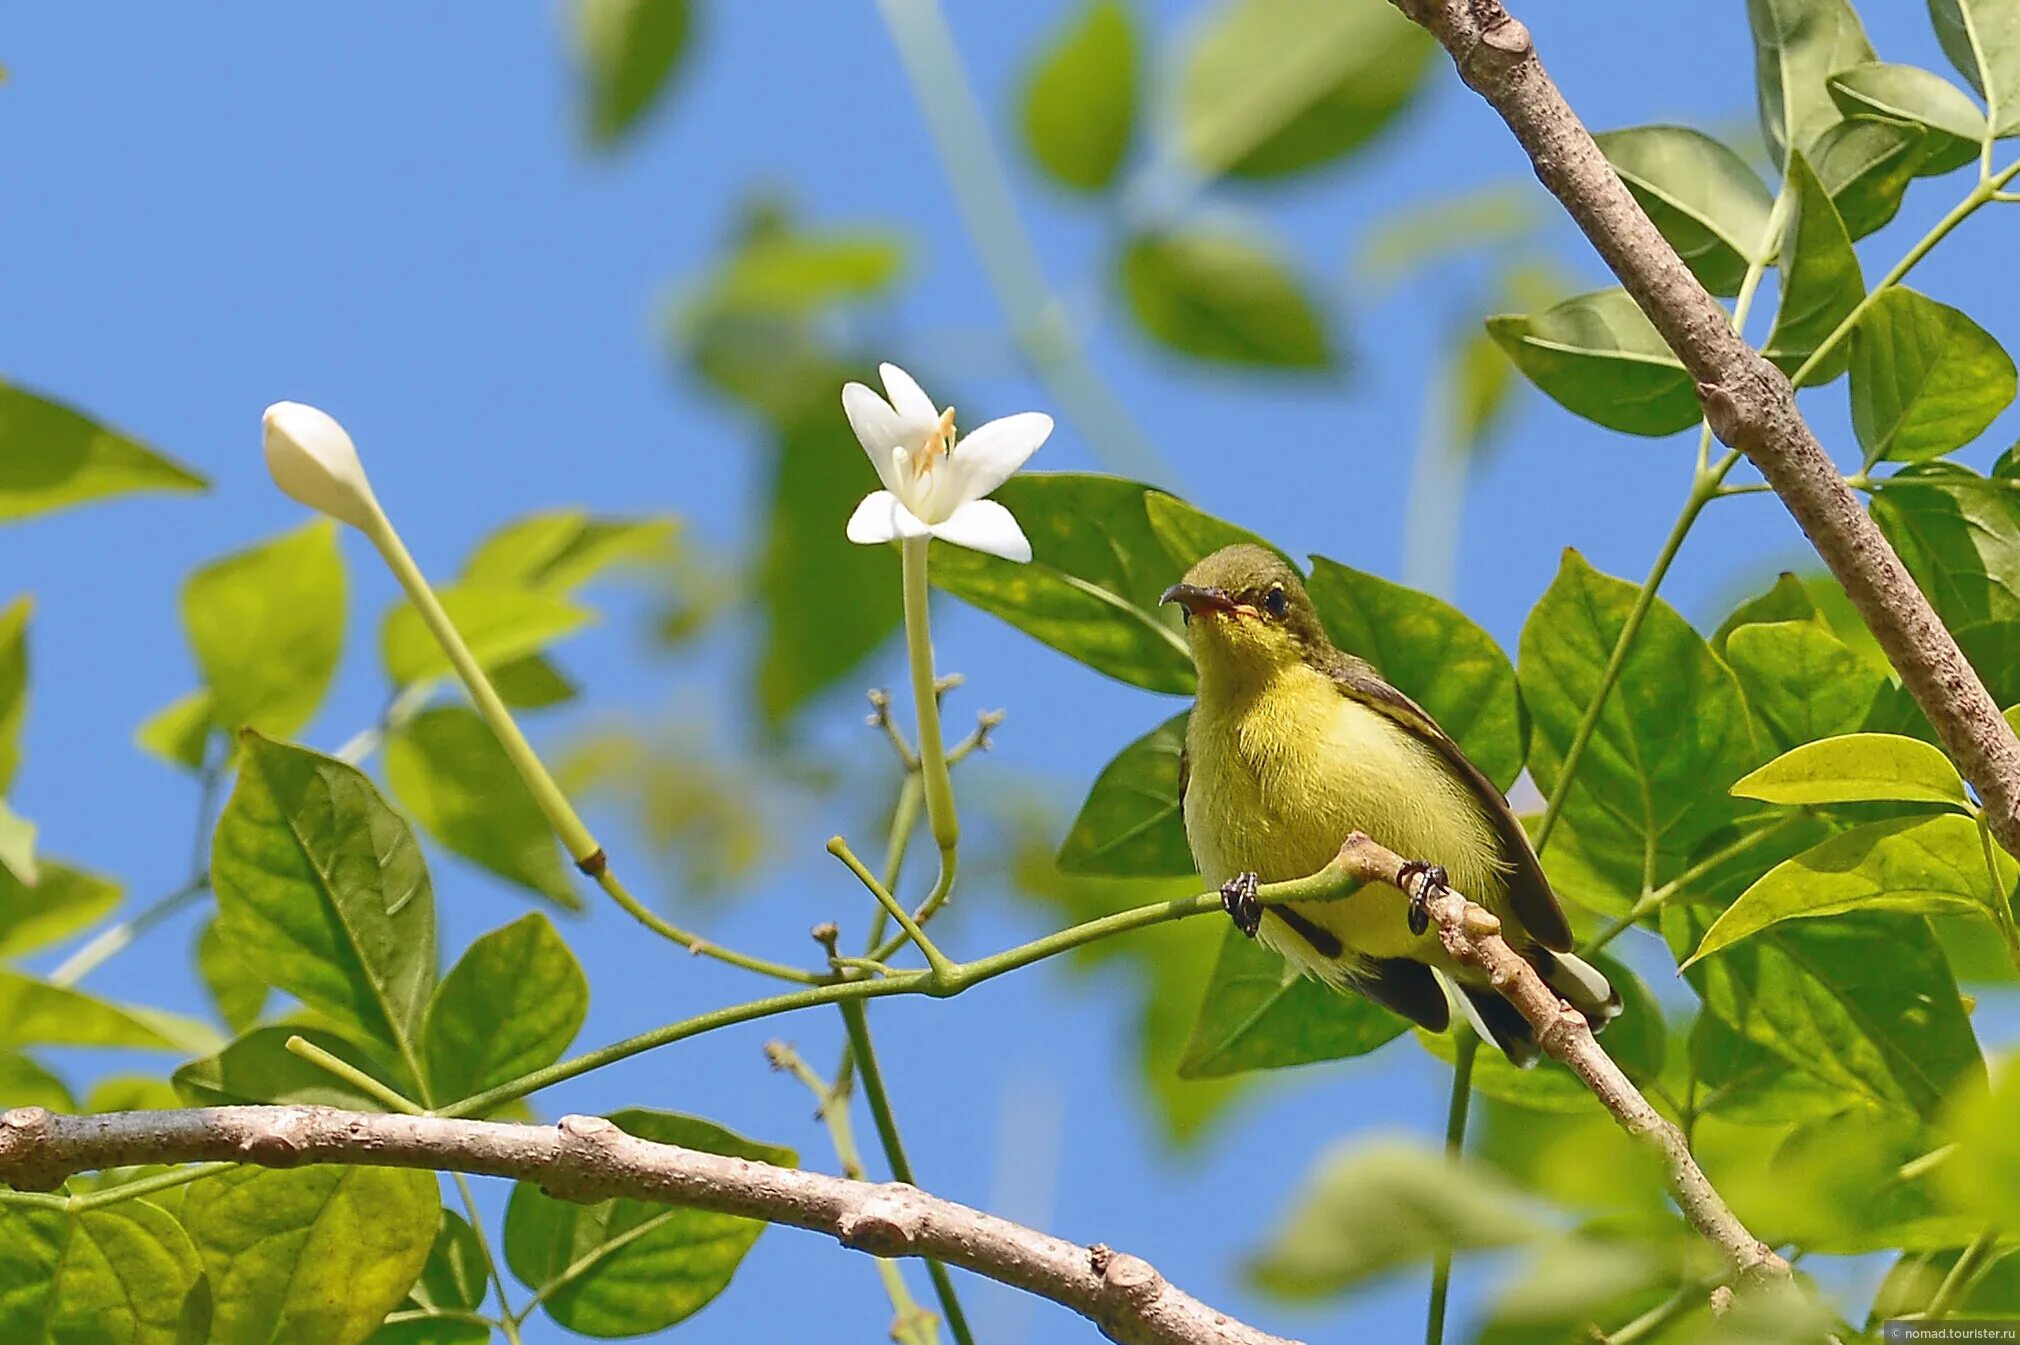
<point>1422,882</point>
<point>1238,898</point>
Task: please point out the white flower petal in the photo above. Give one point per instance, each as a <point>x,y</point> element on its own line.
<point>312,460</point>
<point>992,454</point>
<point>881,518</point>
<point>878,429</point>
<point>914,407</point>
<point>984,525</point>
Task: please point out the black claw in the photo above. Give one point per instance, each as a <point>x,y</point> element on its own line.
<point>1435,883</point>
<point>1238,898</point>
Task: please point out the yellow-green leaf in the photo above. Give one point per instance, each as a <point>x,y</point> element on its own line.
<point>1080,98</point>
<point>500,623</point>
<point>266,625</point>
<point>1598,356</point>
<point>512,1004</point>
<point>126,1274</point>
<point>629,51</point>
<point>52,456</point>
<point>1855,767</point>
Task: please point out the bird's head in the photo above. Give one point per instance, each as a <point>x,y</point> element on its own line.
<point>1247,614</point>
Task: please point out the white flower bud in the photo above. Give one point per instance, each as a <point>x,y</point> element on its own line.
<point>313,460</point>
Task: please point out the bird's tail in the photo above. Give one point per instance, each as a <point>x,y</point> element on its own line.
<point>1583,986</point>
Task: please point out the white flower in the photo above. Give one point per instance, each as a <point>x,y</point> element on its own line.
<point>313,460</point>
<point>932,484</point>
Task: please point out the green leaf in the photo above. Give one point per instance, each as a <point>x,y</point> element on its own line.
<point>126,1273</point>
<point>629,1267</point>
<point>312,1256</point>
<point>1865,1003</point>
<point>1865,165</point>
<point>1953,127</point>
<point>1257,1015</point>
<point>17,845</point>
<point>36,1013</point>
<point>1798,46</point>
<point>511,1004</point>
<point>179,732</point>
<point>52,456</point>
<point>62,902</point>
<point>531,683</point>
<point>1418,236</point>
<point>500,623</point>
<point>1916,865</point>
<point>1960,540</point>
<point>1130,825</point>
<point>267,625</point>
<point>1801,680</point>
<point>321,888</point>
<point>1372,1208</point>
<point>1599,357</point>
<point>1748,1085</point>
<point>1189,534</point>
<point>131,1092</point>
<point>1428,649</point>
<point>786,273</point>
<point>1704,198</point>
<point>1925,378</point>
<point>1855,767</point>
<point>1079,106</point>
<point>563,549</point>
<point>1983,1176</point>
<point>13,685</point>
<point>1912,1283</point>
<point>1982,39</point>
<point>1674,733</point>
<point>1222,298</point>
<point>1821,283</point>
<point>258,1067</point>
<point>1841,1185</point>
<point>452,1281</point>
<point>1091,589</point>
<point>1275,87</point>
<point>234,987</point>
<point>629,51</point>
<point>23,1083</point>
<point>446,766</point>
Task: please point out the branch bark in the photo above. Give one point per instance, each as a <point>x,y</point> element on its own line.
<point>1472,935</point>
<point>589,1158</point>
<point>1749,404</point>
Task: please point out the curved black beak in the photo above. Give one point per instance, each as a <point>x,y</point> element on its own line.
<point>1196,599</point>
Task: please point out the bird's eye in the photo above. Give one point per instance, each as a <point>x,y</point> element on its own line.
<point>1276,602</point>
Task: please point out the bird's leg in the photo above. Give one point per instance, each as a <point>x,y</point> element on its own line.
<point>1420,882</point>
<point>1238,898</point>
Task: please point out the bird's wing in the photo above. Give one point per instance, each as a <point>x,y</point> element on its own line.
<point>1529,894</point>
<point>1184,775</point>
<point>1404,987</point>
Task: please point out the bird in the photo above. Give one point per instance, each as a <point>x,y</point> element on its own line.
<point>1291,745</point>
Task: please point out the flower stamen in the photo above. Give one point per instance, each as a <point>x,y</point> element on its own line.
<point>939,443</point>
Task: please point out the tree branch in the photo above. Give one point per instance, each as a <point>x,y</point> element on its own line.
<point>1472,934</point>
<point>589,1158</point>
<point>1748,402</point>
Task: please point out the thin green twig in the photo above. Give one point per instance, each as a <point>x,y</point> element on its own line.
<point>1467,1046</point>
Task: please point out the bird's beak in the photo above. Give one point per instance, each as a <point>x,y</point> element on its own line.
<point>1196,599</point>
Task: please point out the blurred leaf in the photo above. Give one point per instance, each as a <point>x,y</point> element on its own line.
<point>452,1281</point>
<point>1079,105</point>
<point>1821,283</point>
<point>629,1267</point>
<point>1801,680</point>
<point>23,1083</point>
<point>1912,1282</point>
<point>1430,651</point>
<point>629,51</point>
<point>258,1067</point>
<point>447,767</point>
<point>1190,534</point>
<point>512,1004</point>
<point>1423,234</point>
<point>52,457</point>
<point>531,683</point>
<point>1953,127</point>
<point>700,810</point>
<point>1925,378</point>
<point>563,549</point>
<point>1130,825</point>
<point>313,1256</point>
<point>1744,1083</point>
<point>124,1273</point>
<point>791,273</point>
<point>1597,356</point>
<point>1376,1207</point>
<point>1256,1014</point>
<point>1917,865</point>
<point>179,732</point>
<point>321,888</point>
<point>1836,1185</point>
<point>1866,164</point>
<point>267,625</point>
<point>1275,87</point>
<point>1982,39</point>
<point>500,622</point>
<point>1091,589</point>
<point>13,685</point>
<point>131,1092</point>
<point>1224,299</point>
<point>1480,389</point>
<point>235,988</point>
<point>1711,207</point>
<point>17,845</point>
<point>1960,540</point>
<point>36,1013</point>
<point>1983,1176</point>
<point>1865,1003</point>
<point>62,902</point>
<point>1798,46</point>
<point>1855,767</point>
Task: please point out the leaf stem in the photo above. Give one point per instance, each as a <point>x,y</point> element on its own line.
<point>114,939</point>
<point>1466,1046</point>
<point>355,1077</point>
<point>1654,901</point>
<point>942,967</point>
<point>142,1186</point>
<point>508,1321</point>
<point>1962,1273</point>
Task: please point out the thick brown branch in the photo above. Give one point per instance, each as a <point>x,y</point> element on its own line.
<point>1472,935</point>
<point>588,1158</point>
<point>1748,403</point>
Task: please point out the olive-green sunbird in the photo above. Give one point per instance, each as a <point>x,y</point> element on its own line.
<point>1293,744</point>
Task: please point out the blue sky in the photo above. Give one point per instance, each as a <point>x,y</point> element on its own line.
<point>388,211</point>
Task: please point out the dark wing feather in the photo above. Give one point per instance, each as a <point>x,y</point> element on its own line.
<point>1184,775</point>
<point>1407,988</point>
<point>1529,894</point>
